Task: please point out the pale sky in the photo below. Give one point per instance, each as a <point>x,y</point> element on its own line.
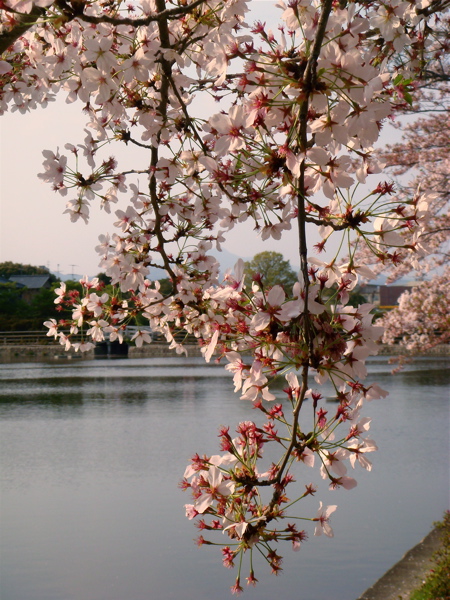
<point>33,228</point>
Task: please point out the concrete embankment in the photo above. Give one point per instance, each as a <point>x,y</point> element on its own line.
<point>396,350</point>
<point>155,350</point>
<point>408,574</point>
<point>55,351</point>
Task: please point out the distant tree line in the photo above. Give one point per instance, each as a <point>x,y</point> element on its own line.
<point>8,268</point>
<point>18,314</point>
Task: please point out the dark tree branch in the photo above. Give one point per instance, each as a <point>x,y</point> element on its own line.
<point>169,13</point>
<point>23,22</point>
<point>309,83</point>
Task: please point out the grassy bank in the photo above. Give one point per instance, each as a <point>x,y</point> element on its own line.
<point>437,584</point>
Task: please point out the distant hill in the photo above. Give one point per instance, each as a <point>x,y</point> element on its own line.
<point>66,277</point>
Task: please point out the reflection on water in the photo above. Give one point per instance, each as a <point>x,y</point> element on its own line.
<point>428,377</point>
<point>92,452</point>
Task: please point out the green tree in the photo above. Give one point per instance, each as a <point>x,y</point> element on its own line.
<point>9,268</point>
<point>103,277</point>
<point>270,268</point>
<point>166,286</point>
<point>356,298</point>
<point>18,315</point>
<point>43,306</point>
<point>15,313</point>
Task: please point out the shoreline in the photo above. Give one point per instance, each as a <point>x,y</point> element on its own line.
<point>408,573</point>
<point>10,353</point>
<point>55,351</point>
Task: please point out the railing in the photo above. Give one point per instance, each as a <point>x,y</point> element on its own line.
<point>180,337</point>
<point>29,338</point>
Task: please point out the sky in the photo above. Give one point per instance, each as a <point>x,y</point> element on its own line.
<point>33,228</point>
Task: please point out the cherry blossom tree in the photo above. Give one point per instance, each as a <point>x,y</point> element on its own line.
<point>291,144</point>
<point>422,158</point>
<point>422,319</point>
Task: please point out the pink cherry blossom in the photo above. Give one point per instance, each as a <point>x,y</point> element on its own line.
<point>216,486</point>
<point>230,129</point>
<point>60,293</point>
<point>142,336</point>
<point>95,303</point>
<point>275,298</point>
<point>52,328</point>
<point>323,516</point>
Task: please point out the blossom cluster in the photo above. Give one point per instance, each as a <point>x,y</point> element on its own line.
<point>228,490</point>
<point>422,318</point>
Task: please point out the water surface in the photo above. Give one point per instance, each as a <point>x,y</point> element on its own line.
<point>92,452</point>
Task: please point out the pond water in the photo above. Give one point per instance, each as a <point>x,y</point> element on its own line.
<point>92,452</point>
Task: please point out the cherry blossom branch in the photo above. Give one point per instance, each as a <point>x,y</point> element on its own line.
<point>162,109</point>
<point>309,84</point>
<point>296,415</point>
<point>20,24</point>
<point>76,11</point>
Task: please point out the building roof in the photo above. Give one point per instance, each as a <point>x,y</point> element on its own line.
<point>389,294</point>
<point>5,280</point>
<point>32,282</point>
